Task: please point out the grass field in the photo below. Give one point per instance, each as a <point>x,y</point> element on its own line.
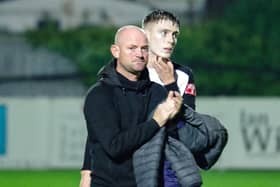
<point>70,178</point>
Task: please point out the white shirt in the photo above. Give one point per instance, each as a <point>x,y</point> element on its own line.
<point>182,79</point>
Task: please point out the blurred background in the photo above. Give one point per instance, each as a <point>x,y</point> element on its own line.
<point>51,51</point>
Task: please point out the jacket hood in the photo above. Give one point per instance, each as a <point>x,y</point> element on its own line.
<point>109,75</point>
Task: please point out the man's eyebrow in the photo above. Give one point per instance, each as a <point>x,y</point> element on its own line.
<point>169,30</point>
<point>131,45</point>
<point>163,29</point>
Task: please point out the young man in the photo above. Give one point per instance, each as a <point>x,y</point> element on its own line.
<point>117,107</point>
<point>162,29</point>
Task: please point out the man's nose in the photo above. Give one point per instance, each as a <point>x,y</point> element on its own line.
<point>171,39</point>
<point>139,52</point>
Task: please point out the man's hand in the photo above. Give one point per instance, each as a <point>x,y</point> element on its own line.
<point>168,109</point>
<point>85,178</point>
<point>178,101</point>
<point>165,70</point>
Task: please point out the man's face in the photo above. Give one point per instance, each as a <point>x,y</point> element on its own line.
<point>162,37</point>
<point>132,52</point>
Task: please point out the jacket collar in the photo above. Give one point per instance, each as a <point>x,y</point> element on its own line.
<point>109,75</point>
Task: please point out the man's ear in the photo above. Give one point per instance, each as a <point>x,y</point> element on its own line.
<point>115,50</point>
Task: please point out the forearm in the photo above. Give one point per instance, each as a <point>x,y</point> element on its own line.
<point>118,143</point>
<point>172,86</point>
<point>104,125</point>
<point>189,100</point>
<point>85,178</point>
<point>87,157</point>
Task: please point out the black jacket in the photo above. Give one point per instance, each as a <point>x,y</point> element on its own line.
<point>201,140</point>
<point>116,110</point>
<point>189,99</point>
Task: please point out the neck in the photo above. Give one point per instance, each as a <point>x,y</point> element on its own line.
<point>128,75</point>
<point>152,59</point>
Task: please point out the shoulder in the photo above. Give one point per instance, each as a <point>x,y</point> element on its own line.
<point>95,89</point>
<point>99,91</point>
<point>185,69</point>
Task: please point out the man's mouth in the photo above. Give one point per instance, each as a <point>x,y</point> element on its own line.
<point>139,61</point>
<point>168,50</point>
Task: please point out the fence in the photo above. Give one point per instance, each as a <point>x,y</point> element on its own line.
<point>45,132</point>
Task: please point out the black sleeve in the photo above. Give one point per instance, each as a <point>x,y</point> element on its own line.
<point>188,99</point>
<point>87,156</point>
<point>190,91</point>
<point>102,119</point>
<point>172,87</point>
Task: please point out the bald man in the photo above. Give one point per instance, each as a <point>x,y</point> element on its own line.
<point>117,107</point>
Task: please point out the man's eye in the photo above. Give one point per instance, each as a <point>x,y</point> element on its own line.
<point>132,48</point>
<point>163,33</point>
<point>145,49</point>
